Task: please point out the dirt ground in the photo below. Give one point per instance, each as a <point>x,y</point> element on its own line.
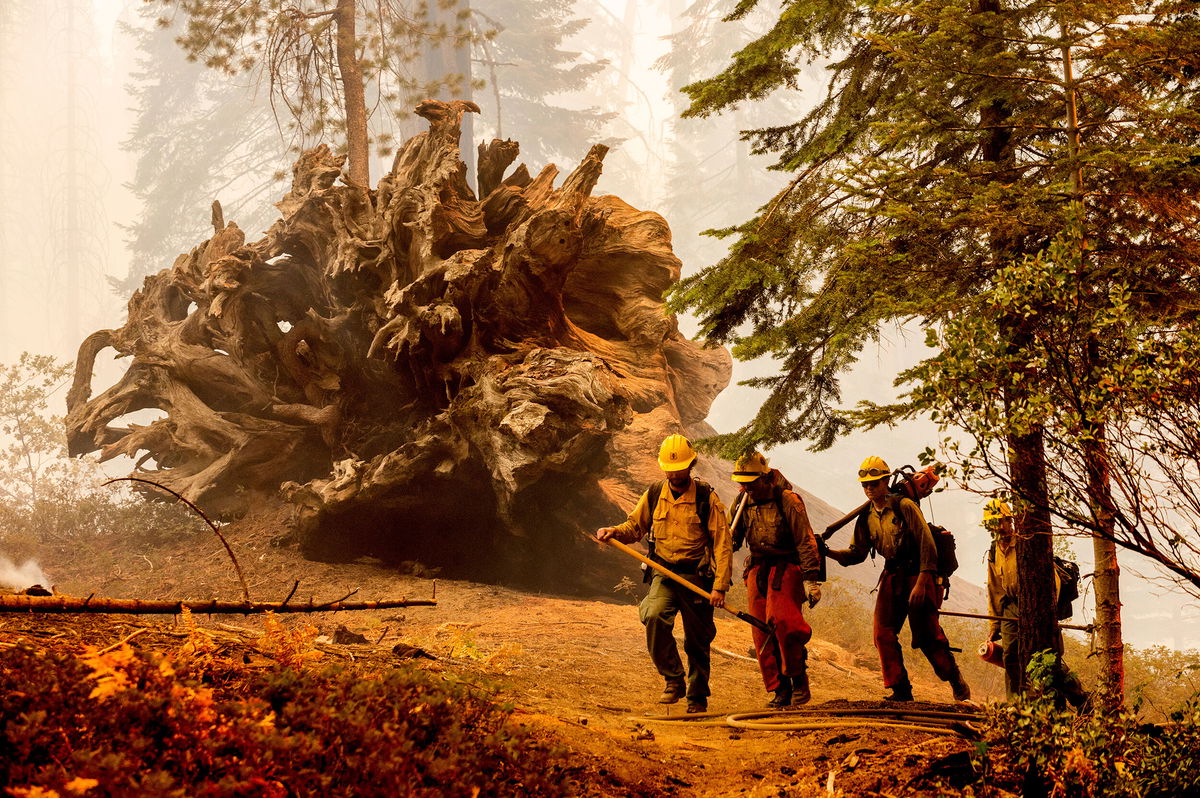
<point>576,670</point>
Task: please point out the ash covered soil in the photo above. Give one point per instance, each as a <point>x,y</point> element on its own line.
<point>576,670</point>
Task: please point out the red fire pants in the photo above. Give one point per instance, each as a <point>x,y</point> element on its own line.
<point>891,609</point>
<point>785,652</point>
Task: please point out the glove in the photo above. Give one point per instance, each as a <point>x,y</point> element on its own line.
<point>813,591</point>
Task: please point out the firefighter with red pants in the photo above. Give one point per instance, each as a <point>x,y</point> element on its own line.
<point>781,574</point>
<point>908,587</point>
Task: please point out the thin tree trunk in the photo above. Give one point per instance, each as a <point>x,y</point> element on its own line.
<point>447,57</point>
<point>462,60</point>
<point>1110,644</point>
<point>355,96</point>
<point>1095,454</point>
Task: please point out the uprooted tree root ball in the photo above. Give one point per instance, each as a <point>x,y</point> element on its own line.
<point>428,375</point>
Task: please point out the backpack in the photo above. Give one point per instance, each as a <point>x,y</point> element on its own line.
<point>1068,587</point>
<point>739,534</point>
<point>704,493</point>
<point>947,550</point>
<point>1068,583</point>
<point>916,485</point>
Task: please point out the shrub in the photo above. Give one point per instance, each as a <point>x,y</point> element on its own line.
<point>1037,747</point>
<point>123,723</point>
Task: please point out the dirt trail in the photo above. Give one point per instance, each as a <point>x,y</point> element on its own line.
<point>576,670</point>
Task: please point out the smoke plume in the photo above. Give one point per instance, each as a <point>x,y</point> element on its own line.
<point>19,577</point>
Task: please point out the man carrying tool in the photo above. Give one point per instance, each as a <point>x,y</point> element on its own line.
<point>894,527</point>
<point>1002,603</point>
<point>689,535</point>
<point>781,574</point>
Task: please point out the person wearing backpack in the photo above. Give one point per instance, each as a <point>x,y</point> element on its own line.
<point>908,588</point>
<point>782,573</point>
<point>1002,602</point>
<point>688,533</point>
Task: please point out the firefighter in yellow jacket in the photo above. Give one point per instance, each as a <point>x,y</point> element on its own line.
<point>1002,603</point>
<point>688,533</point>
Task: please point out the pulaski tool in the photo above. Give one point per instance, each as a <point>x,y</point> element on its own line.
<point>667,572</point>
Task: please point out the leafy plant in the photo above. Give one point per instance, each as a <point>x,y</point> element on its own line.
<point>49,498</point>
<point>118,721</point>
<point>1034,745</point>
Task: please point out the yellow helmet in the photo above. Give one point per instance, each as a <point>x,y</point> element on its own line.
<point>996,509</point>
<point>873,468</point>
<point>750,467</point>
<point>676,453</point>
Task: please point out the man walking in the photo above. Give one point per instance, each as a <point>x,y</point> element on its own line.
<point>688,534</point>
<point>782,573</point>
<point>1002,603</point>
<point>908,588</point>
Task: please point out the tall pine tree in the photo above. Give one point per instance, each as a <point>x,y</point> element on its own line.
<point>943,152</point>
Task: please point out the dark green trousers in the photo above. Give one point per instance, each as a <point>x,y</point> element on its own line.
<point>657,611</point>
<point>1066,683</point>
<point>1012,657</point>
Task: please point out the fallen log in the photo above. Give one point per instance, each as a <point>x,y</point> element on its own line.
<point>139,607</point>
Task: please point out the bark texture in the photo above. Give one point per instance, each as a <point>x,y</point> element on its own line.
<point>426,375</point>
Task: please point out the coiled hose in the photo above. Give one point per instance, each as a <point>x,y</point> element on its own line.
<point>930,721</point>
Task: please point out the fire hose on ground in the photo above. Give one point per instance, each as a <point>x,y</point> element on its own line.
<point>959,723</point>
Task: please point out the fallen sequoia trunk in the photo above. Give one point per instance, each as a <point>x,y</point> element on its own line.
<point>424,374</point>
<point>114,606</point>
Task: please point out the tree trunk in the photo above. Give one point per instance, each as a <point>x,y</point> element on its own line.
<point>1037,628</point>
<point>359,170</point>
<point>1095,454</point>
<point>451,57</point>
<point>1110,644</point>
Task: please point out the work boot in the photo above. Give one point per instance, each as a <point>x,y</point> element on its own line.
<point>783,694</point>
<point>801,695</point>
<point>697,705</point>
<point>901,692</point>
<point>960,688</point>
<point>673,691</point>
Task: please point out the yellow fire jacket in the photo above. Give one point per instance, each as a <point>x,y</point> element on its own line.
<point>771,535</point>
<point>890,536</point>
<point>677,533</point>
<point>1002,578</point>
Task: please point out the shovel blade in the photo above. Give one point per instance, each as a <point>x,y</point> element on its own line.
<point>756,623</point>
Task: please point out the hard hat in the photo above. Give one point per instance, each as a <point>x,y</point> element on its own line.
<point>750,467</point>
<point>873,468</point>
<point>996,509</point>
<point>676,453</point>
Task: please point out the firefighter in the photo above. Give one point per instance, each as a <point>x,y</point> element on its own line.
<point>688,534</point>
<point>908,588</point>
<point>782,572</point>
<point>1002,602</point>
